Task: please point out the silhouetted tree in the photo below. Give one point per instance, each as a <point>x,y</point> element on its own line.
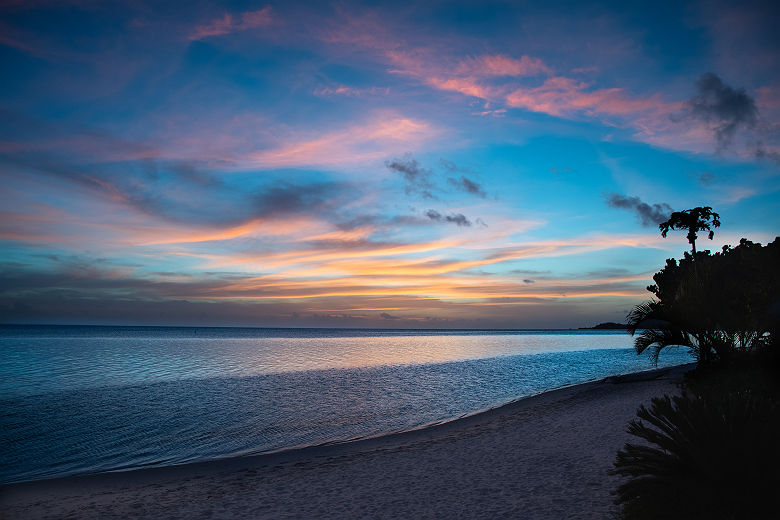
<point>694,220</point>
<point>712,452</point>
<point>718,304</point>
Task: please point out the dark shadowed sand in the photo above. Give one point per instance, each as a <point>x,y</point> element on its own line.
<point>545,457</point>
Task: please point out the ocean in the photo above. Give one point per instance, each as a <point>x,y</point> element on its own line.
<point>76,400</point>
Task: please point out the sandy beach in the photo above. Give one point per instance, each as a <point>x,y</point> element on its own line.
<point>542,457</point>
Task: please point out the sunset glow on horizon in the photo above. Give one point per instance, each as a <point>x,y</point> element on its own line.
<point>355,164</point>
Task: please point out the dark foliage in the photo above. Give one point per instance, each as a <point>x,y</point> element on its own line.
<point>693,220</point>
<point>715,304</point>
<point>712,452</point>
<point>707,454</point>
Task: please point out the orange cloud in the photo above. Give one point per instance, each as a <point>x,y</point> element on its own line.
<point>447,289</point>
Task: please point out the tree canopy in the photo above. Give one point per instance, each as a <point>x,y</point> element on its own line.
<point>694,220</point>
<point>712,303</point>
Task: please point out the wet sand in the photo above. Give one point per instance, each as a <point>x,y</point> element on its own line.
<point>541,457</point>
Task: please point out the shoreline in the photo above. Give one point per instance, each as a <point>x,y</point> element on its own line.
<point>64,492</point>
<point>314,449</point>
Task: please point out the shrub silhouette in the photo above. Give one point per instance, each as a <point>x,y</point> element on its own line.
<point>714,304</point>
<point>712,452</point>
<point>710,455</point>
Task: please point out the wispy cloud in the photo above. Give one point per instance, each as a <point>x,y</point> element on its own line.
<point>501,65</point>
<point>382,136</point>
<point>343,90</point>
<point>229,23</point>
<point>562,96</point>
<point>503,82</point>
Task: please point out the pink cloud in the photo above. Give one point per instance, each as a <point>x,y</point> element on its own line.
<point>385,134</point>
<point>354,28</point>
<point>529,83</point>
<point>561,96</point>
<point>467,86</point>
<point>214,28</point>
<point>228,24</point>
<point>426,64</point>
<point>558,95</point>
<point>471,76</point>
<point>501,65</point>
<point>768,99</point>
<point>259,18</point>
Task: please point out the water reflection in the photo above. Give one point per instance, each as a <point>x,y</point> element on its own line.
<point>164,422</point>
<point>38,364</point>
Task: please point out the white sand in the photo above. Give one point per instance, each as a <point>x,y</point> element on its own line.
<point>544,457</point>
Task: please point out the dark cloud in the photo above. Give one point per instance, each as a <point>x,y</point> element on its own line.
<point>226,206</point>
<point>180,192</point>
<point>529,272</point>
<point>649,215</point>
<point>724,108</point>
<point>462,182</point>
<point>417,178</point>
<point>24,134</point>
<point>468,186</point>
<point>387,316</point>
<point>762,153</point>
<point>284,199</point>
<point>450,166</point>
<point>609,272</point>
<point>456,218</point>
<point>135,175</point>
<point>527,280</point>
<point>94,278</point>
<point>706,178</point>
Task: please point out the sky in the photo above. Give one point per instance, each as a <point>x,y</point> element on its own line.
<point>373,164</point>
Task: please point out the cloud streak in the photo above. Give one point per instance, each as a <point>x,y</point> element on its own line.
<point>356,144</point>
<point>229,23</point>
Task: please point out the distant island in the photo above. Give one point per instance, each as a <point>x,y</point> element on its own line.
<point>608,325</point>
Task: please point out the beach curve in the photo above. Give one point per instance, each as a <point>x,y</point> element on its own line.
<point>544,456</point>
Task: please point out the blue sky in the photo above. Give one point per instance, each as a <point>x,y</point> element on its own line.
<point>348,164</point>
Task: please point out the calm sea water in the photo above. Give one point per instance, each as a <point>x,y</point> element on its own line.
<point>90,399</point>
